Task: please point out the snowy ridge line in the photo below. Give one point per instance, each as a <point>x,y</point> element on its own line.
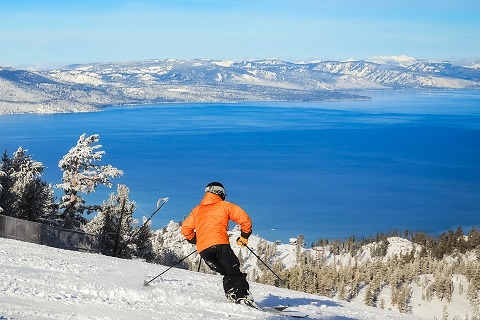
<point>89,87</point>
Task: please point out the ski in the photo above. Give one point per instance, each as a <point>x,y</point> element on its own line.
<point>278,310</point>
<point>284,311</point>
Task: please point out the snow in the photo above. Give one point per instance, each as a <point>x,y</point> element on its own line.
<point>178,89</point>
<point>226,63</point>
<point>77,76</point>
<point>39,282</point>
<point>401,60</point>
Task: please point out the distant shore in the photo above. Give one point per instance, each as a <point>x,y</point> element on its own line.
<point>11,108</point>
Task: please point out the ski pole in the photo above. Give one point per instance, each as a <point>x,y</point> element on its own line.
<point>145,282</point>
<point>160,204</point>
<point>266,265</point>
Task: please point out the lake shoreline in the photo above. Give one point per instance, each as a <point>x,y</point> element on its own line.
<point>12,108</point>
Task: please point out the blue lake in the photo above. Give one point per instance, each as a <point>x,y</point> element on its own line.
<point>323,170</point>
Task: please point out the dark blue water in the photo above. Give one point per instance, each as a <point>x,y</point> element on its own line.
<point>323,170</point>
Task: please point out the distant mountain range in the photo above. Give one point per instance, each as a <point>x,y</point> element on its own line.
<point>89,87</point>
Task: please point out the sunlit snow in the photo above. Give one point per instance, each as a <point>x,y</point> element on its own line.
<point>39,282</point>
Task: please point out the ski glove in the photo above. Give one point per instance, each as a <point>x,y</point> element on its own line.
<point>242,242</point>
<point>193,240</point>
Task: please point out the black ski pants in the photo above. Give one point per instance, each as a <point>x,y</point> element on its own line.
<point>221,258</point>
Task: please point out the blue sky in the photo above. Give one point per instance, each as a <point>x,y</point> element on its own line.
<point>53,33</point>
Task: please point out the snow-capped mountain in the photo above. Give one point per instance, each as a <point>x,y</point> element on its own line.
<point>92,86</point>
<point>24,91</point>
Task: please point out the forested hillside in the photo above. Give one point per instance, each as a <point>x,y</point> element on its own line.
<point>410,272</point>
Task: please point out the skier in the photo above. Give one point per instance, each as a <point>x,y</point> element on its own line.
<point>207,226</point>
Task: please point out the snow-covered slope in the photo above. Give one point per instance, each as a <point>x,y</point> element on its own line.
<point>39,283</point>
<point>84,87</point>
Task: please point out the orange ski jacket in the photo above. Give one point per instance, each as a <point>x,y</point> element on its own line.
<point>208,222</point>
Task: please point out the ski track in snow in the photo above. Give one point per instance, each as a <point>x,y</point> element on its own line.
<point>39,283</point>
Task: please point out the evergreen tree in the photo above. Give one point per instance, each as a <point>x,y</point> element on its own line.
<point>266,252</point>
<point>36,203</point>
<point>23,169</point>
<point>473,291</point>
<point>157,247</point>
<point>143,242</point>
<point>7,197</point>
<point>167,256</point>
<point>354,283</point>
<point>82,175</point>
<point>368,300</point>
<point>474,239</point>
<point>341,289</point>
<point>278,268</point>
<point>443,283</point>
<point>403,298</point>
<point>376,288</point>
<point>462,244</point>
<point>25,195</point>
<point>299,249</point>
<point>114,223</point>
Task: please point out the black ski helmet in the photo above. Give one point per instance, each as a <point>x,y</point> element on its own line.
<point>216,188</point>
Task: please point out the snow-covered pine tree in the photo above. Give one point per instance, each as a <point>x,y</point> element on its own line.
<point>26,195</point>
<point>473,291</point>
<point>327,280</point>
<point>474,241</point>
<point>82,175</point>
<point>342,275</point>
<point>37,202</point>
<point>375,288</point>
<point>299,257</point>
<point>444,283</point>
<point>354,288</point>
<point>7,197</point>
<point>23,168</point>
<point>369,297</point>
<point>143,242</point>
<point>267,252</point>
<point>114,221</point>
<point>403,298</point>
